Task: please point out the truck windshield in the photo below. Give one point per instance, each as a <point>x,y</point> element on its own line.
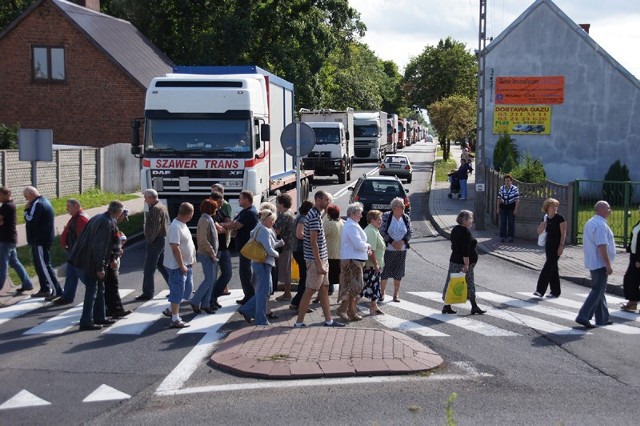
<point>327,136</point>
<point>389,129</point>
<point>365,130</point>
<point>198,135</point>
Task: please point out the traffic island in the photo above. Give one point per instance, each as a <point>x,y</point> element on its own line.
<point>314,352</point>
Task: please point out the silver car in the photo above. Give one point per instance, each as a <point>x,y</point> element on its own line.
<point>396,165</point>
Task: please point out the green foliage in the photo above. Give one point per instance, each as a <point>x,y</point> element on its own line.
<point>614,192</point>
<point>441,71</point>
<point>10,10</point>
<point>450,420</point>
<point>505,154</point>
<point>8,137</point>
<point>530,170</point>
<point>453,118</point>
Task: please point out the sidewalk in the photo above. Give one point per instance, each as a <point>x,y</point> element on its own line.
<point>443,211</point>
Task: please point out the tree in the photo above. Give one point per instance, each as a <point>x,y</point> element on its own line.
<point>505,154</point>
<point>441,71</point>
<point>453,118</point>
<point>8,137</point>
<point>10,10</point>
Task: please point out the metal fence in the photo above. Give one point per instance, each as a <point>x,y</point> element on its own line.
<point>624,198</point>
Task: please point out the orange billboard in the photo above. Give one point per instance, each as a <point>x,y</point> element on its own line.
<point>542,90</point>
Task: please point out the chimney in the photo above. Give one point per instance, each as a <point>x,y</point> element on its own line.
<point>89,4</point>
<point>585,27</point>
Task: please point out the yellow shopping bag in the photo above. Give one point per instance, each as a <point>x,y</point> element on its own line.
<point>295,271</point>
<point>456,290</point>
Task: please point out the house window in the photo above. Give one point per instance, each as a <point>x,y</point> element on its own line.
<point>48,63</point>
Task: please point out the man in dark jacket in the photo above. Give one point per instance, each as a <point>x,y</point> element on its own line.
<point>8,241</point>
<point>39,217</point>
<point>91,255</point>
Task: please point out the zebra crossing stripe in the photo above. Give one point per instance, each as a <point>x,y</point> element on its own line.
<point>64,321</point>
<point>212,323</point>
<point>568,303</point>
<point>142,318</point>
<point>466,323</point>
<point>516,317</point>
<point>396,323</point>
<point>22,307</point>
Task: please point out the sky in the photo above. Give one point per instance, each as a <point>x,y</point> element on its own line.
<point>398,30</point>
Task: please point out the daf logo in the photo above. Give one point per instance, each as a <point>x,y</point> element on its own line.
<point>160,172</point>
<point>235,172</point>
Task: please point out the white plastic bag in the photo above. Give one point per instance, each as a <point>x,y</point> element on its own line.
<point>542,238</point>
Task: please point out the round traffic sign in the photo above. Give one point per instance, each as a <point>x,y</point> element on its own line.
<point>307,139</point>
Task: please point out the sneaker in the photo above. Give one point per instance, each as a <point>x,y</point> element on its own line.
<point>167,312</point>
<point>50,298</point>
<point>143,298</point>
<point>537,294</point>
<point>335,324</point>
<point>179,324</point>
<point>22,290</point>
<point>299,325</point>
<point>552,296</point>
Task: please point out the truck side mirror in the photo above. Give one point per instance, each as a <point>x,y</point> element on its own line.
<point>265,132</point>
<point>135,138</point>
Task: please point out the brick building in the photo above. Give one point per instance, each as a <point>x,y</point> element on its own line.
<point>70,68</point>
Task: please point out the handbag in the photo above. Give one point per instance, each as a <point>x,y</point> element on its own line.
<point>542,237</point>
<point>456,289</point>
<point>253,250</point>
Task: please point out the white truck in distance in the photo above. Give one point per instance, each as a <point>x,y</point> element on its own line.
<point>370,128</point>
<point>333,152</point>
<point>216,124</point>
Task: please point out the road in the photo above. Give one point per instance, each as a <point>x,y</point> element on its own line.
<point>523,362</point>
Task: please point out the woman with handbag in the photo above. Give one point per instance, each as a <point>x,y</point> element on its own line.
<point>556,228</point>
<point>631,280</point>
<point>256,307</point>
<point>464,256</point>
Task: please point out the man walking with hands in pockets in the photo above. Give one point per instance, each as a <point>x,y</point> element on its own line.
<point>599,251</point>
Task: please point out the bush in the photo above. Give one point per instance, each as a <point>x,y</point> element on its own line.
<point>531,170</point>
<point>505,154</point>
<point>612,191</point>
<point>8,137</point>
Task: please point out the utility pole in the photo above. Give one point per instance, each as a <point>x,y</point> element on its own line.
<point>480,202</point>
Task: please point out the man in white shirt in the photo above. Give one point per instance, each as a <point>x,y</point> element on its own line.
<point>599,251</point>
<point>180,255</point>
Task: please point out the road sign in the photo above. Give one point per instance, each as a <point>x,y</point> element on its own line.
<point>307,139</point>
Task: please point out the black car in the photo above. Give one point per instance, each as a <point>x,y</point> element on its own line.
<point>376,193</point>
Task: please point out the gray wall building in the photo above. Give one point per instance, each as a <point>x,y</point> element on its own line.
<point>598,121</point>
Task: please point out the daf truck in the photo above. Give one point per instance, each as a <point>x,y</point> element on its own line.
<point>216,124</point>
<point>370,135</point>
<point>334,152</point>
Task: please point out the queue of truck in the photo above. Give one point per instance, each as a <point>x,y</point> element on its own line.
<point>222,124</point>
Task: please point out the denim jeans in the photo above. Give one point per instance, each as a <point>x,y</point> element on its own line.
<point>9,257</point>
<point>46,274</point>
<point>596,303</point>
<point>507,222</point>
<point>463,188</point>
<point>70,283</point>
<point>245,277</point>
<point>93,307</point>
<point>180,285</point>
<point>256,307</point>
<point>226,271</point>
<point>153,260</point>
<point>203,293</point>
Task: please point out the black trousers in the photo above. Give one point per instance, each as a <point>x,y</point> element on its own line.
<point>550,275</point>
<point>112,300</point>
<point>631,282</point>
<point>302,282</point>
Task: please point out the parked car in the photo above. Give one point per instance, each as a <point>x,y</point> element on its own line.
<point>522,128</point>
<point>376,193</point>
<point>396,165</point>
<point>538,128</point>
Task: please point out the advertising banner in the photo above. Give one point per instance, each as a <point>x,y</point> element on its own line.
<point>542,90</point>
<point>522,119</point>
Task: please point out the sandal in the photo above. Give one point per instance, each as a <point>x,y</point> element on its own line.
<point>629,306</point>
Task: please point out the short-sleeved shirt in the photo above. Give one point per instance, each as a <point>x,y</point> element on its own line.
<point>298,245</point>
<point>314,223</point>
<point>333,234</point>
<point>179,233</point>
<point>553,230</point>
<point>597,232</point>
<point>377,244</point>
<point>249,219</point>
<point>222,215</point>
<point>285,224</point>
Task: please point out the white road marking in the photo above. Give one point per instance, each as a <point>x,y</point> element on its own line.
<point>211,323</point>
<point>65,320</point>
<point>106,393</point>
<point>517,318</point>
<point>344,190</point>
<point>23,399</point>
<point>22,307</point>
<point>142,318</point>
<point>466,323</point>
<point>396,323</point>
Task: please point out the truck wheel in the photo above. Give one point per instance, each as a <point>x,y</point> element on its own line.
<point>342,176</point>
<point>409,179</point>
<point>349,174</point>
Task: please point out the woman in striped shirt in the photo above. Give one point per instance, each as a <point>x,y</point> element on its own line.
<point>508,201</point>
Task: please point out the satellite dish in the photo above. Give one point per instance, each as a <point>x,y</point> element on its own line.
<point>307,139</point>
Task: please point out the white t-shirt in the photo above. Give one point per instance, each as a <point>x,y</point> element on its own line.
<point>179,234</point>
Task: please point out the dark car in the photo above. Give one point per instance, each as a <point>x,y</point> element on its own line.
<point>376,193</point>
